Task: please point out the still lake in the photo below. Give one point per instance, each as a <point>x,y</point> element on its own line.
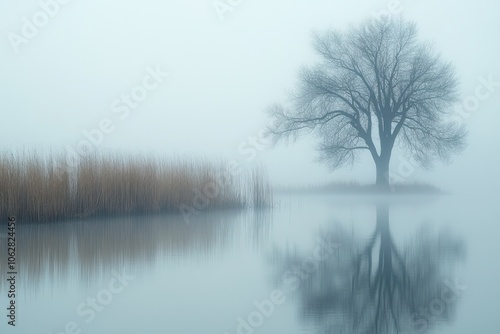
<point>314,263</point>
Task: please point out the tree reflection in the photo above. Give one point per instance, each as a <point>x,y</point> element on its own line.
<point>377,287</point>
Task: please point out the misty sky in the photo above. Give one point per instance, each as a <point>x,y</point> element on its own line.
<point>71,74</point>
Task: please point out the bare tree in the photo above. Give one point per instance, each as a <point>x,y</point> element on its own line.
<point>375,86</point>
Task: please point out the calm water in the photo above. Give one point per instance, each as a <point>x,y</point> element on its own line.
<point>314,264</point>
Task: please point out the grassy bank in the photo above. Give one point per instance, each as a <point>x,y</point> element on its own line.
<point>358,188</point>
<point>35,187</point>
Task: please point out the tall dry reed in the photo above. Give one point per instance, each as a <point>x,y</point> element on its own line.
<point>37,187</point>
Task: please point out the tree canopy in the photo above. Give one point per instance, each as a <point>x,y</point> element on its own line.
<point>375,86</point>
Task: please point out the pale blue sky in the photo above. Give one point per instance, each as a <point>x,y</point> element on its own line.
<point>222,76</point>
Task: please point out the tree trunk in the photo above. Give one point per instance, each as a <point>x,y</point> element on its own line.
<point>382,181</point>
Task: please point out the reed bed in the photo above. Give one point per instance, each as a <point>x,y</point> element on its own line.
<point>40,188</point>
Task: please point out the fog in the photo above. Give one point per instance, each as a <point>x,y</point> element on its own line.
<point>201,248</point>
<point>225,67</point>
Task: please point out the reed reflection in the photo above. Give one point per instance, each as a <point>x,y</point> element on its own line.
<point>379,285</point>
<point>91,249</point>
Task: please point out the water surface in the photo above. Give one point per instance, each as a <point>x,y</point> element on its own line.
<point>313,264</point>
